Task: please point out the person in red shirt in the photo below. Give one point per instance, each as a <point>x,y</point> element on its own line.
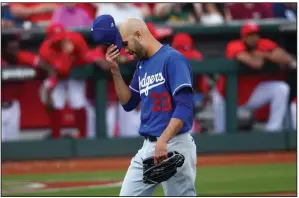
<point>293,109</point>
<point>184,44</point>
<point>63,50</point>
<point>241,11</point>
<point>12,56</point>
<point>256,90</point>
<point>89,8</point>
<point>37,13</point>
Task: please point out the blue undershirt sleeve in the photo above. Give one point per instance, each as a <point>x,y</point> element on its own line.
<point>133,102</point>
<point>183,104</point>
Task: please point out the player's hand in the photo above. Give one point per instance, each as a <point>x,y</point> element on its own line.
<point>161,152</point>
<point>112,55</point>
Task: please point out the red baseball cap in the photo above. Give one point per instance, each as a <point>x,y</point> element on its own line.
<point>182,40</point>
<point>249,28</point>
<point>55,32</point>
<point>159,32</point>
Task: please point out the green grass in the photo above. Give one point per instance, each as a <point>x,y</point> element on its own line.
<point>211,181</point>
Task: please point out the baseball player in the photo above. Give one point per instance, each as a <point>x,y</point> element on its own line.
<point>11,56</point>
<point>120,122</point>
<point>255,91</point>
<point>162,85</point>
<point>64,49</point>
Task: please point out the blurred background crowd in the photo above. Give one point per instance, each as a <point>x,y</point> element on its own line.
<point>81,115</point>
<point>82,14</point>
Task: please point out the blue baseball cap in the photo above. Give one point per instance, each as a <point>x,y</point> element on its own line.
<point>104,31</point>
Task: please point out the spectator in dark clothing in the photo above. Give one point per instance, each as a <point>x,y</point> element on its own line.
<point>285,10</point>
<point>241,11</point>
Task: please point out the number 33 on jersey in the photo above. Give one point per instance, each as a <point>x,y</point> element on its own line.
<point>157,80</point>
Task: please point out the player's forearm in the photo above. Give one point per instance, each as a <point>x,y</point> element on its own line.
<point>279,56</point>
<point>122,90</point>
<point>173,127</point>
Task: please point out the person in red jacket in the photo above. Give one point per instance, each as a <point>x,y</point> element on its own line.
<point>184,44</point>
<point>12,57</point>
<point>256,90</point>
<point>63,50</point>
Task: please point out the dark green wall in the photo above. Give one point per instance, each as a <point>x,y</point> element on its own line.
<point>231,142</point>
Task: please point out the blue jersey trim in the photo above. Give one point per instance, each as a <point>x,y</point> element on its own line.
<point>133,89</point>
<point>182,86</point>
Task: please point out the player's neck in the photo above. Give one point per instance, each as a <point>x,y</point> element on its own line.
<point>153,48</point>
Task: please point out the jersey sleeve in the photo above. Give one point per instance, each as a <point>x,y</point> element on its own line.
<point>61,61</point>
<point>28,58</point>
<point>233,49</point>
<point>83,49</point>
<point>179,73</point>
<point>266,45</point>
<point>134,85</point>
<point>197,55</point>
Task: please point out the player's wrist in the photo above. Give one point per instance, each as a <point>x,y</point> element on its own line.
<point>165,137</point>
<point>115,71</point>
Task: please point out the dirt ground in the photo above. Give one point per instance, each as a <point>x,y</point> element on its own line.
<point>102,164</point>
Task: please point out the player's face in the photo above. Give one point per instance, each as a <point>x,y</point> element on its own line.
<point>12,48</point>
<point>251,40</point>
<point>134,47</point>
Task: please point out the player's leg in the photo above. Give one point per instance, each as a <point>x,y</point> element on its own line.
<point>183,182</point>
<point>218,105</point>
<point>77,99</point>
<point>11,120</point>
<point>133,182</point>
<point>58,98</point>
<point>275,92</point>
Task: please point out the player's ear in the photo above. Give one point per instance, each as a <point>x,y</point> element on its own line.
<point>138,34</point>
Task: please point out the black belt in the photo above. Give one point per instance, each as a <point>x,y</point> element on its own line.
<point>154,138</point>
<point>150,138</point>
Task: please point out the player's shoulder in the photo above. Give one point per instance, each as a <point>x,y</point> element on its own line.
<point>173,54</point>
<point>266,44</point>
<point>235,44</point>
<point>234,47</point>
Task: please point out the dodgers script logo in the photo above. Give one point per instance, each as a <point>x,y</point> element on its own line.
<point>148,82</point>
